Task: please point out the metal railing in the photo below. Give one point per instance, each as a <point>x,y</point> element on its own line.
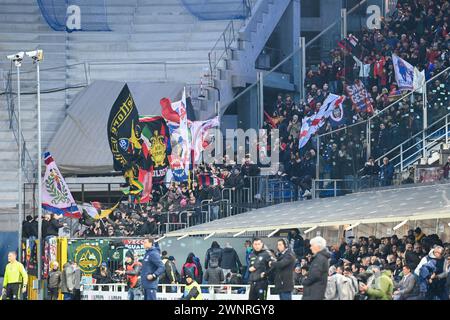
<point>299,52</point>
<point>366,125</point>
<point>27,163</point>
<point>325,188</point>
<point>118,291</point>
<point>227,38</point>
<point>411,150</point>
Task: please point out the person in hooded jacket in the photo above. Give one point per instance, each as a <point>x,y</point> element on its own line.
<point>315,284</point>
<point>431,285</point>
<point>214,274</point>
<point>29,228</point>
<point>215,252</point>
<point>296,243</point>
<point>191,267</point>
<point>379,285</point>
<point>230,260</point>
<point>259,269</point>
<point>282,268</point>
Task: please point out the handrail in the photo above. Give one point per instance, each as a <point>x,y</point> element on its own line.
<point>289,56</point>
<point>230,29</point>
<point>400,146</point>
<point>389,106</point>
<point>412,137</point>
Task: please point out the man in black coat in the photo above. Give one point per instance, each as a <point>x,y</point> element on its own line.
<point>215,252</point>
<point>259,269</point>
<point>315,284</point>
<point>284,277</point>
<point>54,226</point>
<point>29,228</point>
<point>230,260</point>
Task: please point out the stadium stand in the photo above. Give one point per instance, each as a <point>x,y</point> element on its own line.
<point>172,43</point>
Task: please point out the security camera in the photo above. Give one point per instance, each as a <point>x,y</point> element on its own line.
<point>36,55</point>
<point>16,57</point>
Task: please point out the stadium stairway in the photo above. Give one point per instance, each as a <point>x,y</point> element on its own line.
<point>161,32</point>
<point>238,66</point>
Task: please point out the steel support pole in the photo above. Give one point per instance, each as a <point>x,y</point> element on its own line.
<point>343,23</point>
<point>261,100</point>
<point>39,179</point>
<point>302,67</point>
<point>318,158</point>
<point>19,173</point>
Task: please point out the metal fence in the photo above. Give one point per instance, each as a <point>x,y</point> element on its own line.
<point>118,291</point>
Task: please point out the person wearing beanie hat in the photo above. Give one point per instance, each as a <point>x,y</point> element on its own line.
<point>132,272</point>
<point>419,234</point>
<point>170,274</point>
<point>192,291</point>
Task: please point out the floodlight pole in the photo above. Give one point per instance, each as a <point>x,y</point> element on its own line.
<point>39,183</point>
<point>19,151</point>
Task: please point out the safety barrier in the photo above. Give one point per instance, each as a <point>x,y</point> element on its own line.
<point>118,291</point>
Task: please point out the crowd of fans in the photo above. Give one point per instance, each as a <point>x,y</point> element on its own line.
<point>413,267</point>
<point>166,203</point>
<point>418,32</point>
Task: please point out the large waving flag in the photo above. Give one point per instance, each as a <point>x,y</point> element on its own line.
<point>56,196</point>
<point>305,131</point>
<point>156,148</point>
<point>419,80</point>
<point>175,115</point>
<point>199,133</point>
<point>123,124</point>
<point>311,124</point>
<point>404,73</point>
<point>180,108</point>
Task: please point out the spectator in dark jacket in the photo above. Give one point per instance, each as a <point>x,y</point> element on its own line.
<point>234,180</point>
<point>315,284</point>
<point>386,172</point>
<point>214,252</point>
<point>412,258</point>
<point>284,277</point>
<point>54,281</point>
<point>296,243</point>
<point>54,226</point>
<point>230,260</point>
<point>45,224</point>
<point>152,268</point>
<point>29,228</point>
<point>102,276</point>
<point>214,274</point>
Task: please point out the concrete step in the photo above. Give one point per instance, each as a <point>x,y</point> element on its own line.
<point>172,55</point>
<point>180,27</point>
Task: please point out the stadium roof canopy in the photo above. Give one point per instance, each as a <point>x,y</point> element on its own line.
<point>376,206</point>
<point>80,145</point>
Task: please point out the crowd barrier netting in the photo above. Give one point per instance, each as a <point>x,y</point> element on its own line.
<point>75,15</point>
